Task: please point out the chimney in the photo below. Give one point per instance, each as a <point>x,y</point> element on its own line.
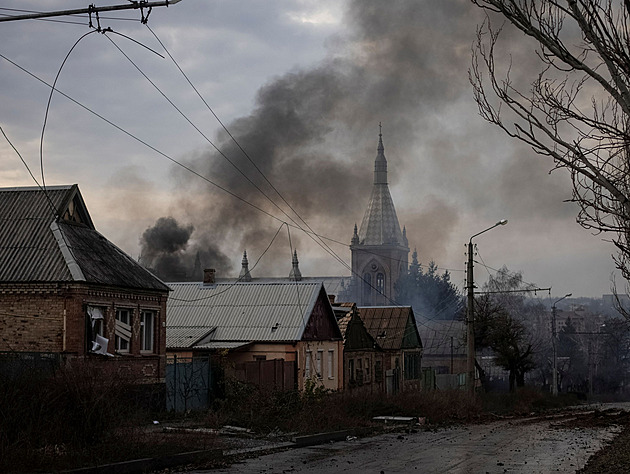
<point>208,276</point>
<point>331,298</point>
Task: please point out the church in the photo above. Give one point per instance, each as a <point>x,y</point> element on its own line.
<point>380,250</point>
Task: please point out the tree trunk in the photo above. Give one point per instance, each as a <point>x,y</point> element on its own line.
<point>512,381</point>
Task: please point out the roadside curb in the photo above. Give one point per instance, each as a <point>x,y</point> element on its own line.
<point>150,464</point>
<point>319,438</point>
<point>156,464</point>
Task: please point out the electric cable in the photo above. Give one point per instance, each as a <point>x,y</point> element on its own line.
<point>52,90</point>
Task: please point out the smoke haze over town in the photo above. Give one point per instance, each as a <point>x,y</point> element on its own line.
<point>302,88</point>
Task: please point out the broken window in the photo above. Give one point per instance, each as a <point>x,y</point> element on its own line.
<point>95,327</point>
<point>123,330</point>
<point>147,329</point>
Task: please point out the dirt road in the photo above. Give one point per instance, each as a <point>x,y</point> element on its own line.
<point>530,445</point>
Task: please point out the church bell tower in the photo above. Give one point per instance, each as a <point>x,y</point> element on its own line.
<point>380,251</point>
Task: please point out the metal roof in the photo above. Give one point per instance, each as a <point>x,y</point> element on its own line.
<point>333,284</point>
<point>185,337</point>
<point>436,337</point>
<point>389,325</point>
<point>221,345</point>
<point>28,248</point>
<point>41,241</point>
<point>244,312</point>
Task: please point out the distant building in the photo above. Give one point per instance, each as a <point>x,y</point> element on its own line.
<point>275,334</point>
<point>380,250</point>
<point>395,331</point>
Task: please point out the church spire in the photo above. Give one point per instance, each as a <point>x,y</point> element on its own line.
<point>245,275</point>
<point>380,224</point>
<point>295,273</point>
<point>380,164</point>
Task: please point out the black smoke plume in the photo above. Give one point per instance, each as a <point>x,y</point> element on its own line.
<point>313,133</point>
<point>166,251</point>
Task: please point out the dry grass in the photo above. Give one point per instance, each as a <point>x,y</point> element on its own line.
<point>81,417</point>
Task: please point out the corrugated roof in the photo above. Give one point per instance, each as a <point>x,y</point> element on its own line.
<point>186,337</point>
<point>102,262</point>
<point>38,246</point>
<point>28,249</point>
<point>436,337</point>
<point>333,284</point>
<point>389,325</point>
<point>244,312</point>
<point>216,345</point>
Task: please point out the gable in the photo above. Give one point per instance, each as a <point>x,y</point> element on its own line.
<point>322,324</point>
<point>28,249</point>
<point>393,327</point>
<point>357,337</point>
<point>411,340</point>
<point>50,237</point>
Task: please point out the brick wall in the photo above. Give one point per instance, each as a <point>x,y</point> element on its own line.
<point>31,318</point>
<point>52,318</point>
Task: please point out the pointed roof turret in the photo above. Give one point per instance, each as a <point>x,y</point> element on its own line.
<point>355,236</point>
<point>380,224</point>
<point>380,164</point>
<point>245,275</point>
<point>295,273</point>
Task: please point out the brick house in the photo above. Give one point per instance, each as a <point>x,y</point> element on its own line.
<point>363,358</point>
<point>274,334</point>
<point>395,331</point>
<point>66,290</point>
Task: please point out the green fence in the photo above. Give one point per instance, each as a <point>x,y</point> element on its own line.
<point>188,383</point>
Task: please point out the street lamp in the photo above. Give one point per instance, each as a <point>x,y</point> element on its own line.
<point>554,337</point>
<point>470,314</point>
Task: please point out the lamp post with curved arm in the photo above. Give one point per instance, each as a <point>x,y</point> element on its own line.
<point>554,340</point>
<point>470,313</point>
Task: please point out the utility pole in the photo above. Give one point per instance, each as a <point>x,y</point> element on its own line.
<point>134,5</point>
<point>451,355</point>
<point>554,340</point>
<point>470,321</point>
<point>470,312</point>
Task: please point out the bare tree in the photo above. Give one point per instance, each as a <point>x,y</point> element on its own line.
<point>577,105</point>
<point>504,325</point>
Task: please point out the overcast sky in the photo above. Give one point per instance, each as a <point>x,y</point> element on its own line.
<point>302,87</point>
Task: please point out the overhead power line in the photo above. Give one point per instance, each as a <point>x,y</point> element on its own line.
<point>134,5</point>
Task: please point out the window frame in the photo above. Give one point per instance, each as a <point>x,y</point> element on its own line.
<point>331,364</point>
<point>307,364</point>
<point>318,364</point>
<point>143,332</point>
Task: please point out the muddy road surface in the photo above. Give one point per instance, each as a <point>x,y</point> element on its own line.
<point>561,443</point>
